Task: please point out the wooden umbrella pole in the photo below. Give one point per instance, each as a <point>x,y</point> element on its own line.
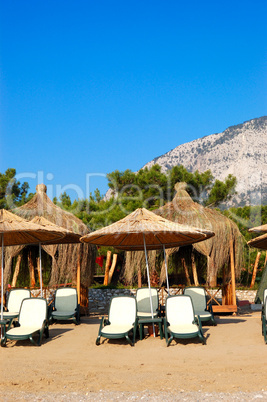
<point>40,269</point>
<point>112,268</point>
<point>166,267</point>
<point>148,280</point>
<point>107,267</point>
<point>232,270</point>
<point>194,269</point>
<point>79,276</point>
<point>253,279</point>
<point>16,272</point>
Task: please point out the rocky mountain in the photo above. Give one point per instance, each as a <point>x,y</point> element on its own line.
<point>239,150</point>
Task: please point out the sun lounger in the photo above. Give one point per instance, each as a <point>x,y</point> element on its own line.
<point>180,320</point>
<point>144,315</point>
<point>198,296</point>
<point>122,320</point>
<point>32,320</point>
<point>65,306</point>
<point>143,302</point>
<point>14,301</point>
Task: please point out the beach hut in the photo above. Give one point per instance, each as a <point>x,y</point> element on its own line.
<point>223,252</point>
<point>66,258</point>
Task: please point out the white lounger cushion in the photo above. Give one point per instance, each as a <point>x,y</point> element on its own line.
<point>66,300</point>
<point>143,302</point>
<point>179,311</point>
<point>10,314</point>
<point>145,315</point>
<point>116,329</point>
<point>122,311</point>
<point>198,296</point>
<point>62,313</point>
<point>15,299</point>
<point>20,331</point>
<point>203,314</point>
<point>184,329</point>
<point>33,313</point>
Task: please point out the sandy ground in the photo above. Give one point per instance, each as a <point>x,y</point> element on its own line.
<point>69,366</point>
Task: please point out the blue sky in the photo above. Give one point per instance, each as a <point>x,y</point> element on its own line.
<point>87,87</point>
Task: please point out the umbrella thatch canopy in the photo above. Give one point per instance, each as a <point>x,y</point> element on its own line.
<point>67,236</point>
<point>18,231</point>
<point>184,210</point>
<point>64,256</point>
<point>259,242</point>
<point>259,229</point>
<point>129,232</point>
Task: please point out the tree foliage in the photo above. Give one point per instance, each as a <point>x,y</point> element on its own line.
<point>12,192</point>
<point>150,188</point>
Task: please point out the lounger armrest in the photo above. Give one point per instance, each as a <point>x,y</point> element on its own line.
<point>210,308</point>
<point>51,308</point>
<point>198,322</point>
<point>102,324</point>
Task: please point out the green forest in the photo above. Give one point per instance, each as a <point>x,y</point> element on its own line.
<point>149,188</point>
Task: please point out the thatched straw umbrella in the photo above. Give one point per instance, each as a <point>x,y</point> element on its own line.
<point>69,238</point>
<point>16,231</point>
<point>144,230</point>
<point>184,210</point>
<point>64,256</point>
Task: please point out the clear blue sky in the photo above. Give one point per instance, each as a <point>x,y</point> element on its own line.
<point>87,87</point>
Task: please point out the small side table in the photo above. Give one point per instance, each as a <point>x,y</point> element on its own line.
<point>147,321</point>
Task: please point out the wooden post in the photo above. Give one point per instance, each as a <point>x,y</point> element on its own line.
<point>139,277</point>
<point>232,262</point>
<point>107,267</point>
<point>255,269</point>
<point>79,277</point>
<point>31,269</point>
<point>194,269</point>
<point>186,272</point>
<point>16,271</point>
<point>112,268</point>
<point>38,265</point>
<point>224,287</point>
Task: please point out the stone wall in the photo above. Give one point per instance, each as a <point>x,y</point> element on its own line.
<point>99,299</point>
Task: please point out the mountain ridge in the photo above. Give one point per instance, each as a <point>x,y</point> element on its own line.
<point>239,150</point>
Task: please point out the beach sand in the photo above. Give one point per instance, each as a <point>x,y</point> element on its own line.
<point>69,366</point>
